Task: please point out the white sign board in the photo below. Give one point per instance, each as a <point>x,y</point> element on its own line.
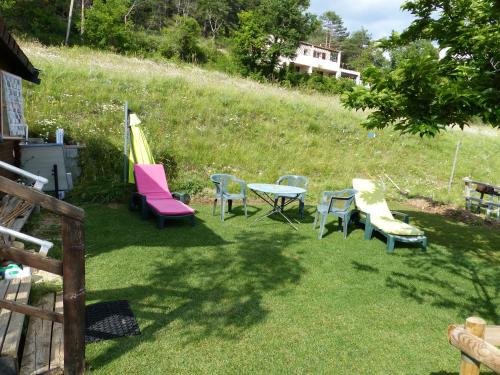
<point>13,99</point>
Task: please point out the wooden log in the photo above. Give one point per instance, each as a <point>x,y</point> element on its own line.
<point>474,349</point>
<point>74,295</point>
<point>491,333</point>
<point>38,198</point>
<point>477,348</point>
<point>32,259</point>
<point>31,310</point>
<point>469,365</point>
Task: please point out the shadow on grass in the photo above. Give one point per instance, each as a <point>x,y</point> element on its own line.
<point>469,254</point>
<point>216,290</point>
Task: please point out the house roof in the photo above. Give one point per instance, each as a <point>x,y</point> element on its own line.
<point>13,59</point>
<point>319,46</point>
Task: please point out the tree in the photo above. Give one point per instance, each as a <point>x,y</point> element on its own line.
<point>335,31</point>
<point>275,28</point>
<point>424,94</point>
<point>353,47</point>
<point>214,14</point>
<point>330,31</point>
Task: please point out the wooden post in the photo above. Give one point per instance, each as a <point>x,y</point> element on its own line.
<point>468,365</point>
<point>74,295</point>
<point>452,175</point>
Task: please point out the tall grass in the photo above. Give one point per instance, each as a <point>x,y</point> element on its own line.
<point>203,122</point>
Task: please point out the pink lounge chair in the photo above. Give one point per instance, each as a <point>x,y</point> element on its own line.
<point>155,197</point>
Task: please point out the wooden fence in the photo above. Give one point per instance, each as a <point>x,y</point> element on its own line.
<point>71,268</point>
<point>478,344</point>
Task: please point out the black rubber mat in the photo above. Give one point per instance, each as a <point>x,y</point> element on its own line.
<point>110,320</point>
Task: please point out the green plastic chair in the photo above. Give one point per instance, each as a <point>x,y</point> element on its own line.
<point>222,192</point>
<point>337,204</point>
<point>297,181</point>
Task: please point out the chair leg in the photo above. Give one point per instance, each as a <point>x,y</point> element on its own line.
<point>424,244</point>
<point>214,206</point>
<point>390,244</point>
<point>145,211</point>
<point>368,231</point>
<point>282,203</point>
<point>346,226</point>
<point>322,225</point>
<point>229,205</point>
<point>245,206</point>
<point>222,209</point>
<point>301,209</point>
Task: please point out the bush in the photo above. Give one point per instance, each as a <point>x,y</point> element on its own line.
<point>289,78</point>
<point>181,40</point>
<point>105,26</point>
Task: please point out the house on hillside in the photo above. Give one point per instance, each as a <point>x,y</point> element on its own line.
<point>311,58</point>
<point>12,61</point>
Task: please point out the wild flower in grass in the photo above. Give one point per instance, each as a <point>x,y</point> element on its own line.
<point>110,108</point>
<point>46,122</point>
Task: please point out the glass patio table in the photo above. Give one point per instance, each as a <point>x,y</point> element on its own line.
<point>269,192</point>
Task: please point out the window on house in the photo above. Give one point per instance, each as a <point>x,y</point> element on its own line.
<point>334,56</point>
<point>317,54</point>
<point>306,52</point>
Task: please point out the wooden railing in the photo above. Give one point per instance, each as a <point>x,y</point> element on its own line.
<point>478,344</point>
<point>71,268</point>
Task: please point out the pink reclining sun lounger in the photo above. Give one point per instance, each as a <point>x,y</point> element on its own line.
<point>152,188</point>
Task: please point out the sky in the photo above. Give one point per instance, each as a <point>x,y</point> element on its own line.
<point>380,17</point>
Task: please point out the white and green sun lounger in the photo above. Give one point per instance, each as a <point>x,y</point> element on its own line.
<point>375,214</point>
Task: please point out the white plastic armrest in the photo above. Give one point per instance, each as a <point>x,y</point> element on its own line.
<point>45,246</point>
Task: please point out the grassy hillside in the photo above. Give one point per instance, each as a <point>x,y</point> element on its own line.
<point>201,122</point>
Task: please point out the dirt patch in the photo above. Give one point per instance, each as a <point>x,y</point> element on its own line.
<point>450,211</point>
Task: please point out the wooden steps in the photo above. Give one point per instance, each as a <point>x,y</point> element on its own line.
<point>11,323</point>
<point>43,348</point>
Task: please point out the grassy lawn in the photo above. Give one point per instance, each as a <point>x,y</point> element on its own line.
<point>238,297</point>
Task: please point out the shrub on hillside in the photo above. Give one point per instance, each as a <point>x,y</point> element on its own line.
<point>105,26</point>
<point>181,40</point>
<point>288,77</point>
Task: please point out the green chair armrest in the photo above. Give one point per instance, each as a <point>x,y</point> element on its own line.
<point>405,217</point>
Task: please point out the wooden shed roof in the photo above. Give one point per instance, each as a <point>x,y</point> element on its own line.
<point>13,59</point>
